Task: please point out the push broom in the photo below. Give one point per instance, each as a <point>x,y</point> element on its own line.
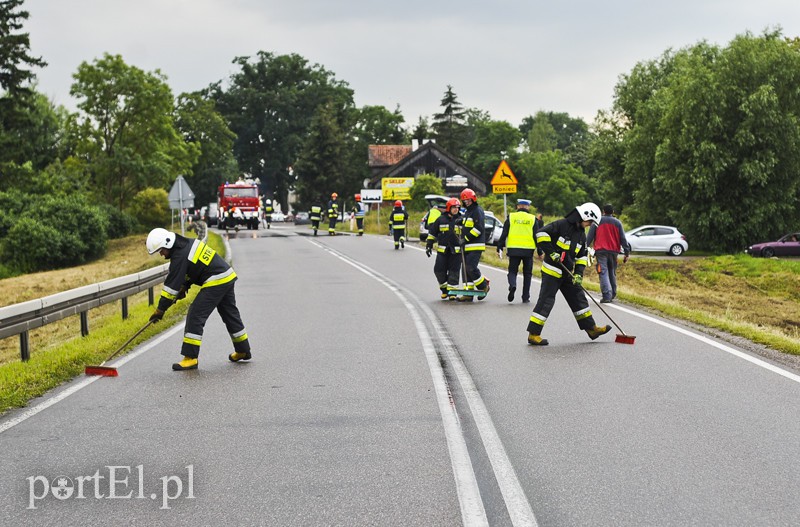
<point>110,371</point>
<point>621,339</point>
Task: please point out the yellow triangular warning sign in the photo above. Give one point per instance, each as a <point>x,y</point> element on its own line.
<point>503,175</point>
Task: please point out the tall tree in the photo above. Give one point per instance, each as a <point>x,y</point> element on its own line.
<point>375,125</point>
<point>269,105</point>
<point>198,121</point>
<point>422,130</point>
<point>19,110</point>
<point>450,124</point>
<point>492,142</point>
<point>127,131</point>
<point>322,159</point>
<point>715,147</point>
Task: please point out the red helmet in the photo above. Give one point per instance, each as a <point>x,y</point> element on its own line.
<point>398,203</point>
<point>358,197</point>
<point>453,202</point>
<point>468,193</point>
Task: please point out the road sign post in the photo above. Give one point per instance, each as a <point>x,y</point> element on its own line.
<point>180,197</point>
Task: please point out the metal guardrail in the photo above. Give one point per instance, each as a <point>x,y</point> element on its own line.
<point>19,319</point>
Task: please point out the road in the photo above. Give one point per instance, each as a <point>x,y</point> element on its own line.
<point>369,401</point>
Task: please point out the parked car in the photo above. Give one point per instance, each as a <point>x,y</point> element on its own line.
<point>278,216</point>
<point>302,218</point>
<point>788,245</point>
<point>434,200</point>
<point>657,238</point>
<point>211,214</point>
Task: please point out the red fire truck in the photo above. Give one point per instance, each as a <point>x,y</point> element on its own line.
<point>239,204</point>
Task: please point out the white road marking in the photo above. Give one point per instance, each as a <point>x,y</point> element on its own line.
<point>519,508</point>
<point>60,396</point>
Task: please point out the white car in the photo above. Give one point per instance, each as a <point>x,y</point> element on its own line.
<point>657,238</point>
<point>278,216</point>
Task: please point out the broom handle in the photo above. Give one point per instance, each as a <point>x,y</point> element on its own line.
<point>129,341</point>
<point>593,300</point>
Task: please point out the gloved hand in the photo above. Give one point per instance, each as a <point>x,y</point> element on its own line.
<point>181,294</point>
<point>156,316</point>
<point>556,257</point>
<point>429,250</point>
<point>577,279</point>
<point>625,260</point>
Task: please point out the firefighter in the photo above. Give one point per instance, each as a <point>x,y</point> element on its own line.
<point>359,211</point>
<point>268,210</point>
<point>192,262</point>
<point>333,214</point>
<point>448,252</point>
<point>399,219</point>
<point>473,226</point>
<point>564,245</point>
<point>315,215</point>
<point>518,238</point>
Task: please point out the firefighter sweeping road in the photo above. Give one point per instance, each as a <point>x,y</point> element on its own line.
<point>371,401</point>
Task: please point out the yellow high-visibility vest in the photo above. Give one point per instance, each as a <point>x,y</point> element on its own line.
<point>520,230</point>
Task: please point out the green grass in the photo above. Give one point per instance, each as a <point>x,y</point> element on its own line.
<point>60,362</point>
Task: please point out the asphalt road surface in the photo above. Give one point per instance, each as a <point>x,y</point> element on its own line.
<point>370,401</point>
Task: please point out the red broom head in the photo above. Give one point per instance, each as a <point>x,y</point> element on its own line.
<point>625,339</point>
<point>105,371</point>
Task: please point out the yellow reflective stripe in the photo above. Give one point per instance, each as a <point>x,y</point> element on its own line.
<point>538,319</point>
<point>562,245</point>
<point>475,232</point>
<point>475,247</point>
<point>444,228</point>
<point>168,296</point>
<point>440,250</point>
<point>430,237</point>
<point>399,227</point>
<point>542,236</point>
<point>469,222</point>
<point>195,342</point>
<point>582,261</point>
<point>584,313</point>
<point>551,270</point>
<point>240,339</point>
<point>223,280</point>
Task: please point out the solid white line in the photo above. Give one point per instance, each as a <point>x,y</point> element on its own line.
<point>60,396</point>
<point>469,496</point>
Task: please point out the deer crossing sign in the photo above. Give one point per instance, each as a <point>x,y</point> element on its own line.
<point>504,180</point>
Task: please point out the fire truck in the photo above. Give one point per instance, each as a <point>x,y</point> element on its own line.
<point>239,204</point>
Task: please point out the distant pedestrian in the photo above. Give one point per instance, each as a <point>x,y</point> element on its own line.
<point>359,211</point>
<point>315,215</point>
<point>518,238</point>
<point>608,240</point>
<point>399,221</point>
<point>333,213</point>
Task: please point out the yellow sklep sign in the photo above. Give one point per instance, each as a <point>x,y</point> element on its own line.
<point>394,188</point>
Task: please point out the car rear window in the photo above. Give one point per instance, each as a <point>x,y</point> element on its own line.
<point>661,231</point>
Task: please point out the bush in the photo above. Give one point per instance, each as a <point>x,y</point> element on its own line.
<point>424,184</point>
<point>150,207</point>
<point>32,245</point>
<point>120,223</point>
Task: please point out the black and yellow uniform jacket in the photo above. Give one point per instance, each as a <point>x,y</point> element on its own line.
<point>192,262</point>
<point>567,238</point>
<point>399,218</point>
<point>443,231</point>
<point>474,226</point>
<point>333,209</point>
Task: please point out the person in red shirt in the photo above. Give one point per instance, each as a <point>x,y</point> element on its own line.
<point>608,240</point>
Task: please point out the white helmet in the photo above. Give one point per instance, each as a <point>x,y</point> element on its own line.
<point>160,239</point>
<point>589,212</point>
<point>268,202</point>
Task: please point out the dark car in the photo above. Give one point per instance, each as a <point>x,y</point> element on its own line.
<point>788,245</point>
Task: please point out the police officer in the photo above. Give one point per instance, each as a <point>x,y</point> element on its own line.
<point>448,253</point>
<point>564,244</point>
<point>192,262</point>
<point>315,215</point>
<point>399,218</point>
<point>359,211</point>
<point>518,237</point>
<point>473,231</point>
<point>333,213</point>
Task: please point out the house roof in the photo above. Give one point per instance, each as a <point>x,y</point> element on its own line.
<point>387,155</point>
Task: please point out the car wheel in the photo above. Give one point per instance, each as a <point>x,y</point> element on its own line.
<point>676,250</point>
<point>768,252</point>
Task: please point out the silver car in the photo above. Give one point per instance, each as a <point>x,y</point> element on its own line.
<point>657,238</point>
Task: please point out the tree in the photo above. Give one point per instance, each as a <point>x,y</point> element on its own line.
<point>269,105</point>
<point>711,140</point>
<point>200,124</point>
<point>375,125</point>
<point>492,142</point>
<point>15,60</point>
<point>127,133</point>
<point>422,131</point>
<point>322,158</point>
<point>449,125</point>
<point>424,184</point>
<point>555,186</point>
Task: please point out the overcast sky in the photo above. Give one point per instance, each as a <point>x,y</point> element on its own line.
<point>510,58</point>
